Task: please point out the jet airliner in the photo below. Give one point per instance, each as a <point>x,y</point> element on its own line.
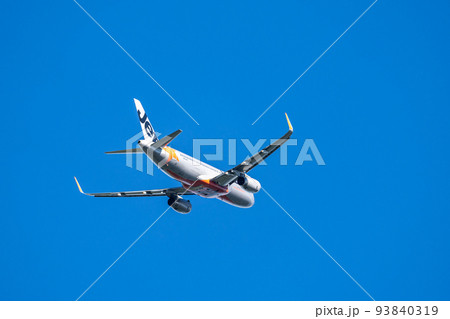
<point>234,186</point>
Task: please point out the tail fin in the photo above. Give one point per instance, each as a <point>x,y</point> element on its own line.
<point>147,129</point>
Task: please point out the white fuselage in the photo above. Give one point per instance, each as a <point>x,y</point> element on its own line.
<point>195,175</point>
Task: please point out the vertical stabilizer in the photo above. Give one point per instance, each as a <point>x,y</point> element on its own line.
<point>147,128</point>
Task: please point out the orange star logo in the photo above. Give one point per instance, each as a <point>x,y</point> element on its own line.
<point>172,153</point>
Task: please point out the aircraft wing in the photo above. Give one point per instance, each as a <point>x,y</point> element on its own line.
<point>231,175</point>
<point>143,193</point>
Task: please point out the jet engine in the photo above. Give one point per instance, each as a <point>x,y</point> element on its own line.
<point>180,205</point>
<point>249,184</point>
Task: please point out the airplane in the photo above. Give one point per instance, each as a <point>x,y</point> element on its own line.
<point>234,186</point>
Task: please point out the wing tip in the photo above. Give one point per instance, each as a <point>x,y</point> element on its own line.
<point>289,123</point>
<point>79,187</point>
<point>78,184</point>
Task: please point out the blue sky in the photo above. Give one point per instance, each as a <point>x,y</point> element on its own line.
<point>376,106</point>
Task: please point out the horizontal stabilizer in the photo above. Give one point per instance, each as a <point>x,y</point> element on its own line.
<point>130,151</point>
<point>165,140</point>
<point>160,143</point>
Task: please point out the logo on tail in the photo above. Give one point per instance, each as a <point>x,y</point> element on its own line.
<point>147,129</point>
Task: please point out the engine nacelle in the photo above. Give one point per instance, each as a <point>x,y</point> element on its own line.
<point>249,184</point>
<point>180,205</point>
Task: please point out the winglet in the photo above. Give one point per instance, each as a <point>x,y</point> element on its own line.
<point>79,187</point>
<point>289,123</point>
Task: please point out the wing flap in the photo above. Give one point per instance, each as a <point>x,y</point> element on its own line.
<point>226,178</point>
